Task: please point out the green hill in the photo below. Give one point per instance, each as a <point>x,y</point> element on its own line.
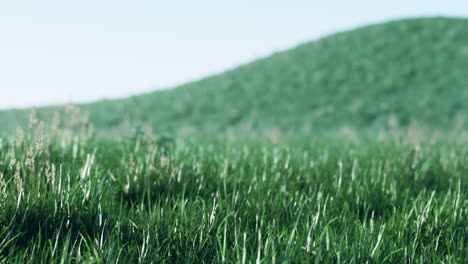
<point>403,71</point>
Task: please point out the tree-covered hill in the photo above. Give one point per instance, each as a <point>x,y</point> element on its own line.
<point>372,77</point>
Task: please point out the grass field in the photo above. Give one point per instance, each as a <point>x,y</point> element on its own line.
<point>349,149</point>
<point>68,197</point>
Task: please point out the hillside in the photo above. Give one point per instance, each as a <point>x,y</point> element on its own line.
<point>403,71</point>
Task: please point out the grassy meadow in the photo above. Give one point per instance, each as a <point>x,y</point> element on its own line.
<point>349,149</point>
<point>73,197</point>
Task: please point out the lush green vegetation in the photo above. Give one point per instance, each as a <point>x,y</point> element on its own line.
<point>351,149</point>
<point>410,70</point>
<point>83,199</point>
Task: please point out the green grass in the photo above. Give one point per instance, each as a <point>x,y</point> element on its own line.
<point>411,70</point>
<point>85,199</point>
<point>349,149</point>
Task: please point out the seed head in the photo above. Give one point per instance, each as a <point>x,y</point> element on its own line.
<point>12,157</point>
<point>2,182</point>
<point>18,180</point>
<point>52,176</point>
<point>40,138</point>
<point>19,136</point>
<point>75,117</point>
<point>32,118</point>
<point>30,159</point>
<point>47,171</point>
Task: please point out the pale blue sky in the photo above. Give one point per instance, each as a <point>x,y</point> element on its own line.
<point>78,51</point>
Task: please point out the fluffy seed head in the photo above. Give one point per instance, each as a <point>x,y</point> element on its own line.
<point>52,176</point>
<point>47,171</point>
<point>18,180</point>
<point>32,118</point>
<point>40,138</point>
<point>2,182</point>
<point>30,159</point>
<point>19,136</point>
<point>12,157</point>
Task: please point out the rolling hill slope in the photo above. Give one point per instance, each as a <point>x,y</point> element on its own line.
<point>403,71</point>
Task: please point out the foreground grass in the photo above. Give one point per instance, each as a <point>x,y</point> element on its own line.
<point>67,199</point>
